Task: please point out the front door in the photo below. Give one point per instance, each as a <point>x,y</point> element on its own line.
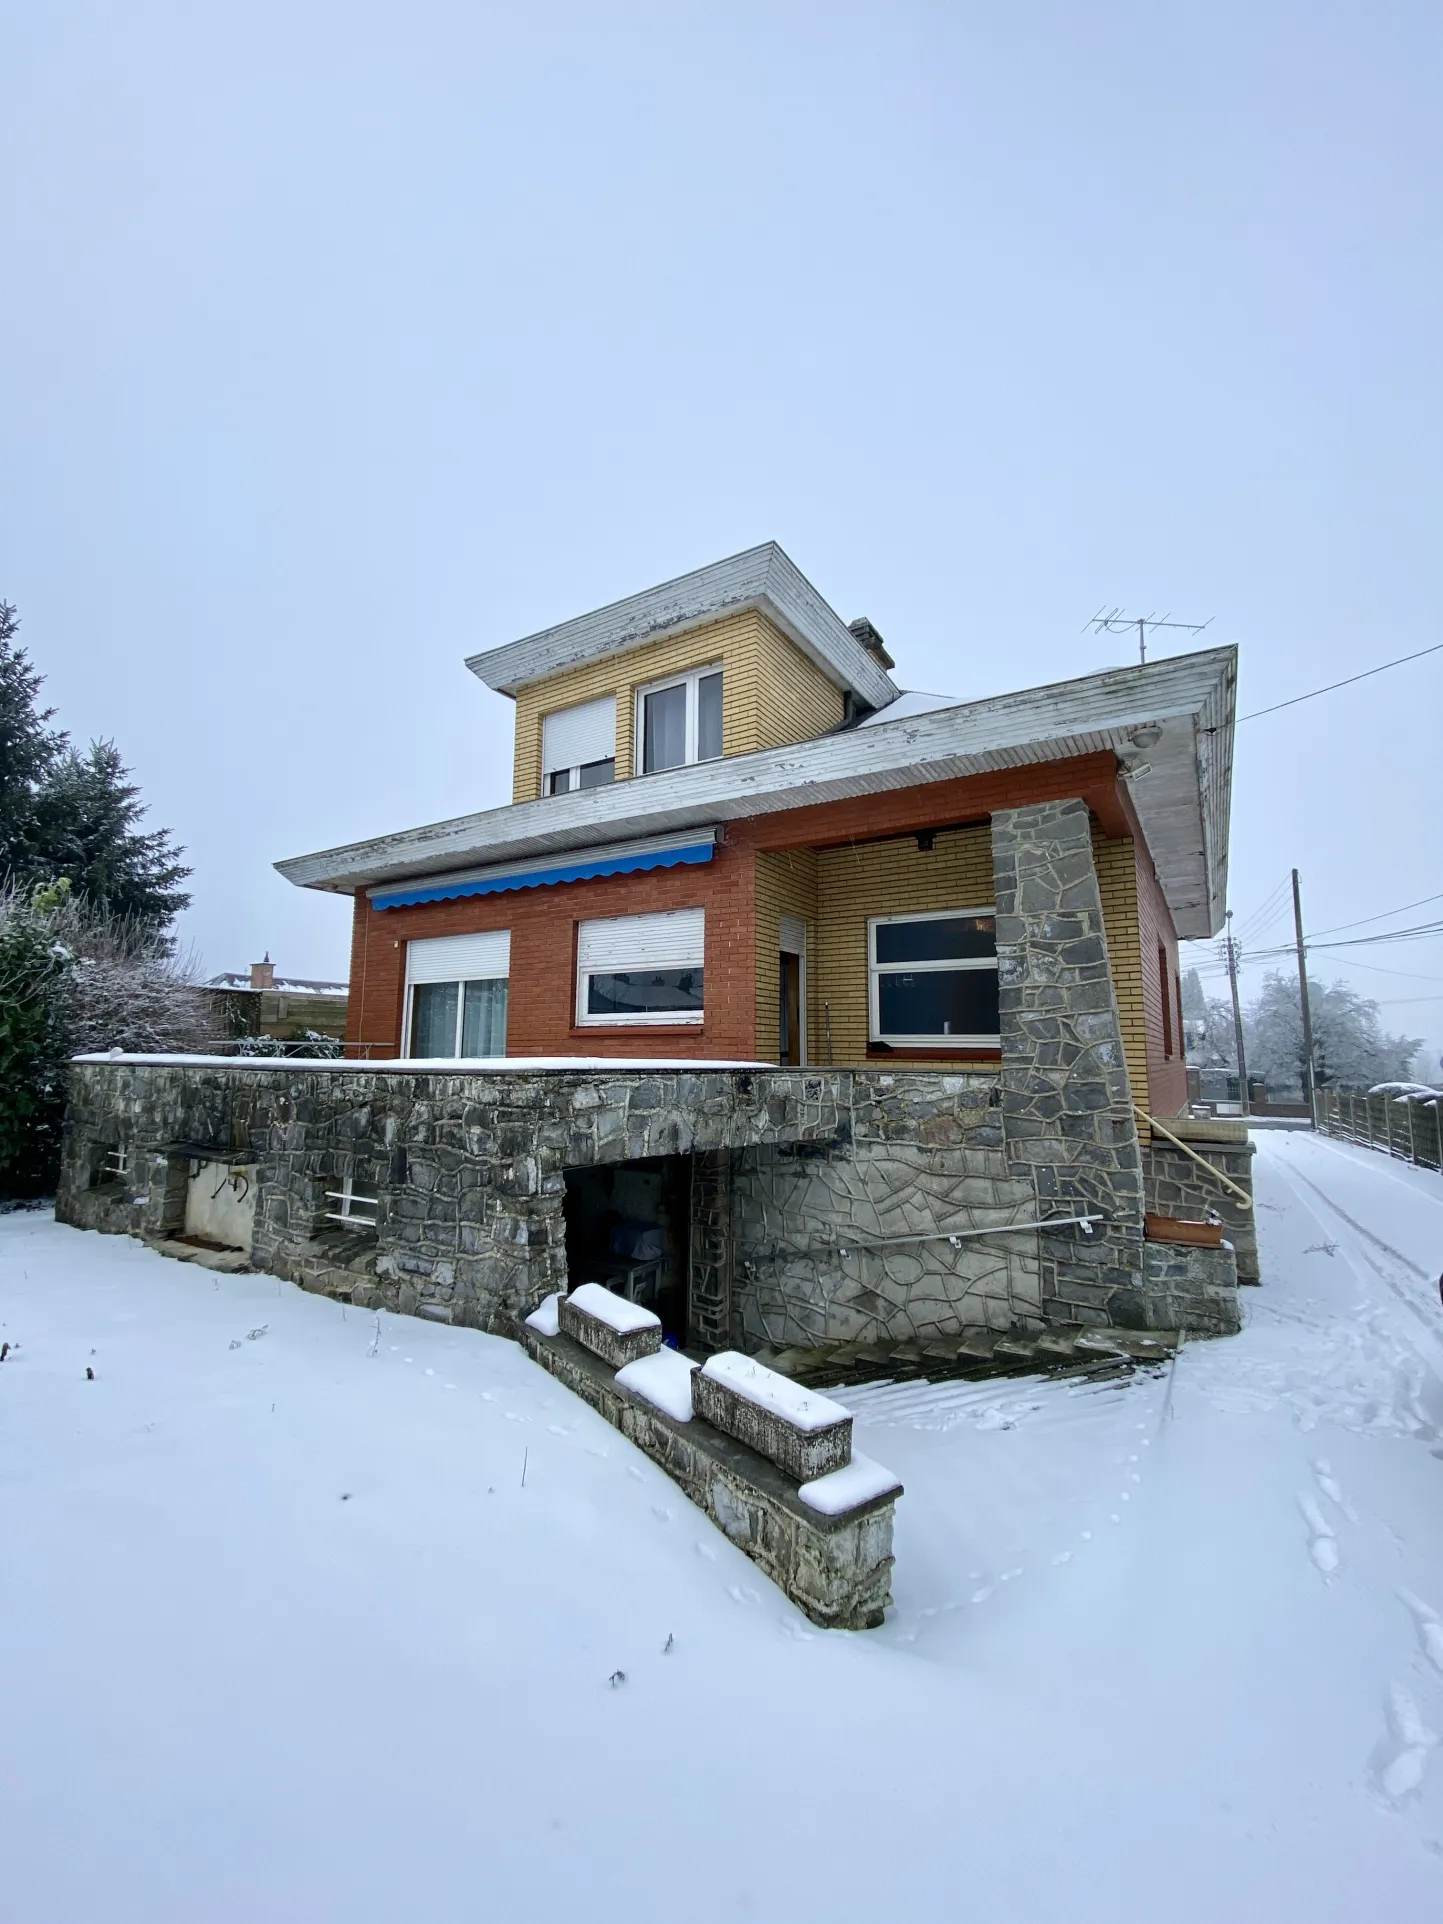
<point>791,1010</point>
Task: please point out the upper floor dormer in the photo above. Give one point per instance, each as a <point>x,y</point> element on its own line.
<point>738,656</point>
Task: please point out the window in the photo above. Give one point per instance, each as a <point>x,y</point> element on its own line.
<point>680,720</point>
<point>578,747</point>
<point>1166,1003</point>
<point>354,1207</point>
<point>641,968</point>
<point>932,979</point>
<point>456,992</point>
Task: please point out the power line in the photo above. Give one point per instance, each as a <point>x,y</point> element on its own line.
<point>1312,693</point>
<point>1382,917</point>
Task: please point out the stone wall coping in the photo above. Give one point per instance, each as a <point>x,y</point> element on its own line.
<point>739,1458</point>
<point>428,1066</point>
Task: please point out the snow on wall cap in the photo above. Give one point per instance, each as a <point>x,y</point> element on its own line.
<point>662,1379</point>
<point>858,1482</point>
<point>545,1319</point>
<point>805,1410</point>
<point>618,1314</point>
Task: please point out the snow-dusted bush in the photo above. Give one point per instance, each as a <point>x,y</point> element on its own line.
<point>71,983</point>
<point>310,1044</point>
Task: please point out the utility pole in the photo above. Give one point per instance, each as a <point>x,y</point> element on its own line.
<point>1114,622</point>
<point>1303,994</point>
<point>1232,948</point>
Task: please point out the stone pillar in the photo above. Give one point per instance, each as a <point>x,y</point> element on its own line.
<point>1066,1101</point>
<point>709,1286</point>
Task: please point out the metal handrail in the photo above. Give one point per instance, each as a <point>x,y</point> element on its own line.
<point>1227,1182</point>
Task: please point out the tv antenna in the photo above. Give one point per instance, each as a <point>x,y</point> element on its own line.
<point>1112,621</point>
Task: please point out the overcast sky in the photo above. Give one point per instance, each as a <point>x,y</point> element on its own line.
<point>340,341</point>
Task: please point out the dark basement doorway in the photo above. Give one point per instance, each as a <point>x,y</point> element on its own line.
<point>628,1228</point>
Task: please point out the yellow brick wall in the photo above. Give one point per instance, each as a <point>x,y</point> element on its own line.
<point>1116,865</point>
<point>786,885</point>
<point>880,878</point>
<point>771,692</point>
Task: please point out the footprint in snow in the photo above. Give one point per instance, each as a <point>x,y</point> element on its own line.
<point>661,1513</point>
<point>1332,1489</point>
<point>1063,1556</point>
<point>1401,1758</point>
<point>1430,1627</point>
<point>1323,1545</point>
<point>555,1429</point>
<point>706,1550</point>
<point>981,1596</point>
<point>740,1593</point>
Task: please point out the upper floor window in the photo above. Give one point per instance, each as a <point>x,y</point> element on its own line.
<point>680,720</point>
<point>578,747</point>
<point>932,979</point>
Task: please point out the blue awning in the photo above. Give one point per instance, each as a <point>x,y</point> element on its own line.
<point>633,863</point>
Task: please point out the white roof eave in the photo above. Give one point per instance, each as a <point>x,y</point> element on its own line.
<point>764,577</point>
<point>1182,802</point>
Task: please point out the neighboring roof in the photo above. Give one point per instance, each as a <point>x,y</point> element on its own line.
<point>291,984</point>
<point>763,578</point>
<point>911,701</point>
<point>1182,801</point>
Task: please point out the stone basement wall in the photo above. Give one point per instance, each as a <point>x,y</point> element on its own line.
<point>468,1168</point>
<point>1192,1288</point>
<point>1176,1186</point>
<point>846,1241</point>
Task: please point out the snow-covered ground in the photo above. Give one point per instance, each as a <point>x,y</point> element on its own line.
<point>303,1621</point>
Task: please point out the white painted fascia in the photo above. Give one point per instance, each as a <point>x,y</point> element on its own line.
<point>764,578</point>
<point>1183,802</point>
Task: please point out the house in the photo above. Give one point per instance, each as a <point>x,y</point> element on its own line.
<point>260,1002</point>
<point>810,1010</point>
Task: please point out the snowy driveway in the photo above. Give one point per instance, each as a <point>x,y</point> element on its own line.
<point>285,1636</point>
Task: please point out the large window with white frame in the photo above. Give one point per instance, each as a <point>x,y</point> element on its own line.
<point>578,747</point>
<point>679,720</point>
<point>456,995</point>
<point>932,979</point>
<point>641,968</point>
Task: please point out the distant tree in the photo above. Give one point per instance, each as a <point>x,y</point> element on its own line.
<point>1207,1027</point>
<point>67,814</point>
<point>29,748</point>
<point>1352,1048</point>
<point>86,815</point>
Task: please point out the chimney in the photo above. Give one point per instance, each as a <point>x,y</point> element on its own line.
<point>263,975</point>
<point>871,641</point>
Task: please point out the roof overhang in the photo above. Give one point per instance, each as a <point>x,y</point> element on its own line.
<point>764,578</point>
<point>687,850</point>
<point>1181,794</point>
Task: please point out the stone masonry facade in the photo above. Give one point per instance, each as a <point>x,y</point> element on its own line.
<point>1067,1112</point>
<point>827,1205</point>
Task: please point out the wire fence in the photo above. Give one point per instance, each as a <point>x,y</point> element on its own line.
<point>1404,1127</point>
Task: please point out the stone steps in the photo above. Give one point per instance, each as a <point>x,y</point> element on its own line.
<point>975,1352</point>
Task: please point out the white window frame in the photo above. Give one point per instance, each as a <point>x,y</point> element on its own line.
<point>460,978</point>
<point>659,1018</point>
<point>357,1210</point>
<point>948,965</point>
<point>689,681</point>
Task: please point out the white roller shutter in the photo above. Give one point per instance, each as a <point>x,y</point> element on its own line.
<point>675,939</point>
<point>574,736</point>
<point>459,958</point>
<point>793,935</point>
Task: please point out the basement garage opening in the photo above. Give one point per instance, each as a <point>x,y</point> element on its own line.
<point>627,1228</point>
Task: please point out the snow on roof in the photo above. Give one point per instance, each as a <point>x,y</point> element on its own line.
<point>911,701</point>
<point>292,984</point>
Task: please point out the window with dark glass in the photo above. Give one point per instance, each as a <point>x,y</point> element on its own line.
<point>932,979</point>
<point>680,720</point>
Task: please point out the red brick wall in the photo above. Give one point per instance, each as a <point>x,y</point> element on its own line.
<point>1166,1072</point>
<point>540,1016</point>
